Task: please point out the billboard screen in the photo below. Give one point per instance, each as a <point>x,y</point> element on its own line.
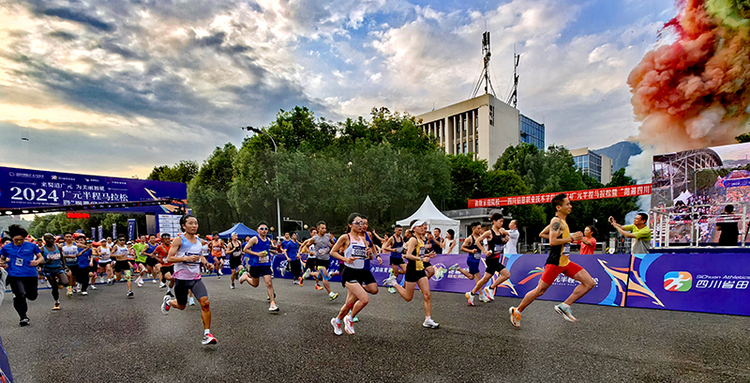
<point>27,188</point>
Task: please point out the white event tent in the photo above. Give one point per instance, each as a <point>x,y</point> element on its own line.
<point>434,218</point>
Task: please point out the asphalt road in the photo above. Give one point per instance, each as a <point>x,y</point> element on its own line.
<point>105,337</point>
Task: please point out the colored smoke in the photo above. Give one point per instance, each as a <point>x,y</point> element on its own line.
<point>695,92</point>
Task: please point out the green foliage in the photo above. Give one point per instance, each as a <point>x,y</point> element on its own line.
<point>183,171</point>
<point>467,175</point>
<point>745,137</point>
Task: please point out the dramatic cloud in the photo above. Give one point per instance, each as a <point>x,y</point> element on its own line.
<point>99,84</point>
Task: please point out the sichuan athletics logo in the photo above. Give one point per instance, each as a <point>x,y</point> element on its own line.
<point>678,281</point>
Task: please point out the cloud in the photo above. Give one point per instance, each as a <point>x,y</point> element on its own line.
<point>118,73</point>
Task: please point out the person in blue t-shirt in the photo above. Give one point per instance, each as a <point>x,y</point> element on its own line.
<point>290,247</point>
<point>85,261</point>
<point>21,259</point>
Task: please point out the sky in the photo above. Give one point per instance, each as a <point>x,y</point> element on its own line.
<point>118,87</point>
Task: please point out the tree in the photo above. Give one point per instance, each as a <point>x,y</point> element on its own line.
<point>466,176</point>
<point>183,171</point>
<point>745,137</point>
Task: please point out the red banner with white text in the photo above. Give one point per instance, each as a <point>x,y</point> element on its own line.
<point>578,195</point>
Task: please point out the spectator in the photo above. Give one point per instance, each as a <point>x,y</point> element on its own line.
<point>588,242</point>
<point>729,230</point>
<point>638,232</point>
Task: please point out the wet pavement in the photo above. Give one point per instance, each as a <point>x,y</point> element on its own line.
<point>104,337</point>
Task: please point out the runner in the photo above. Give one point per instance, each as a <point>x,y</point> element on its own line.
<point>234,250</point>
<point>21,259</point>
<point>151,260</point>
<point>94,267</point>
<point>85,260</point>
<point>416,272</point>
<point>53,268</point>
<point>290,248</point>
<point>105,263</point>
<point>308,247</point>
<point>323,242</point>
<point>473,247</point>
<point>395,246</point>
<point>166,268</point>
<point>187,258</point>
<point>206,253</point>
<point>497,238</point>
<point>354,274</point>
<point>122,265</point>
<point>217,251</point>
<point>70,255</point>
<point>259,262</point>
<point>140,259</point>
<point>558,262</point>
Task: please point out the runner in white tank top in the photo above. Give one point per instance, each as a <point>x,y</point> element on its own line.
<point>357,279</point>
<point>186,254</point>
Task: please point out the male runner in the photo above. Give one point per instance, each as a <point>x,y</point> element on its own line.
<point>121,254</point>
<point>497,238</point>
<point>234,251</point>
<point>151,260</point>
<point>323,242</point>
<point>259,261</point>
<point>140,259</point>
<point>166,268</point>
<point>558,262</point>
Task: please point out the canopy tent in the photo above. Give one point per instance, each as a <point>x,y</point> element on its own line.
<point>683,197</point>
<point>241,230</point>
<point>434,218</point>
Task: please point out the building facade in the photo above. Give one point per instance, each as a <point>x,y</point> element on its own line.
<point>483,126</point>
<point>595,165</point>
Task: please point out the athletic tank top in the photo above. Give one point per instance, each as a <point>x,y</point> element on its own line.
<point>236,251</point>
<point>323,247</point>
<point>496,245</point>
<point>52,261</point>
<point>558,254</point>
<point>70,253</point>
<point>358,251</point>
<point>398,247</point>
<point>260,247</point>
<point>418,252</point>
<point>204,249</point>
<point>217,250</point>
<point>104,255</point>
<point>478,254</point>
<point>188,271</point>
<point>120,252</point>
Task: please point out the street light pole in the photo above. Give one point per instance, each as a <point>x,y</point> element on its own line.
<point>275,150</point>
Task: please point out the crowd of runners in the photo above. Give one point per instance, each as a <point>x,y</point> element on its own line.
<point>75,264</point>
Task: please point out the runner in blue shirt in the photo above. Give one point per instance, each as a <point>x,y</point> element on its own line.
<point>290,247</point>
<point>21,259</point>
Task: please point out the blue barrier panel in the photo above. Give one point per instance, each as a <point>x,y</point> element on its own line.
<point>610,272</point>
<point>711,283</point>
<point>5,375</point>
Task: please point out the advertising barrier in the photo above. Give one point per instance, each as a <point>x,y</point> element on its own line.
<point>610,272</point>
<point>711,283</point>
<point>5,375</point>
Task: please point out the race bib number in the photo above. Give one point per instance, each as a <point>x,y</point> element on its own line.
<point>359,252</point>
<point>19,262</point>
<point>323,251</point>
<point>53,256</point>
<point>477,255</point>
<point>499,248</point>
<point>264,258</point>
<point>566,249</point>
<point>399,249</point>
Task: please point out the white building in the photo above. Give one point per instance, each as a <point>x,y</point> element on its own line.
<point>595,165</point>
<point>484,126</point>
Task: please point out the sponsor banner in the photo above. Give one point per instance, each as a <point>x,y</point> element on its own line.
<point>114,230</point>
<point>577,195</point>
<point>711,283</point>
<point>101,232</point>
<point>21,188</point>
<point>733,183</point>
<point>610,272</point>
<point>131,229</point>
<point>93,234</point>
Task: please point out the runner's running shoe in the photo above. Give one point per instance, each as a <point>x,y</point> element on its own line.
<point>453,268</point>
<point>57,306</point>
<point>390,281</point>
<point>273,308</point>
<point>566,313</point>
<point>317,287</point>
<point>490,293</point>
<point>165,304</point>
<point>336,327</point>
<point>429,323</point>
<point>348,325</point>
<point>470,297</point>
<point>130,294</point>
<point>208,339</point>
<point>515,317</point>
<point>333,295</point>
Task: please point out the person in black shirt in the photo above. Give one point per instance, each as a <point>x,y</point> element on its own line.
<point>729,230</point>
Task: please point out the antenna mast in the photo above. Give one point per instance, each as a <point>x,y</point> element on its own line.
<point>513,98</point>
<point>486,71</point>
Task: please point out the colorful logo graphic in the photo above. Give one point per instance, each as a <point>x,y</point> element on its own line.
<point>678,281</point>
<point>440,271</point>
